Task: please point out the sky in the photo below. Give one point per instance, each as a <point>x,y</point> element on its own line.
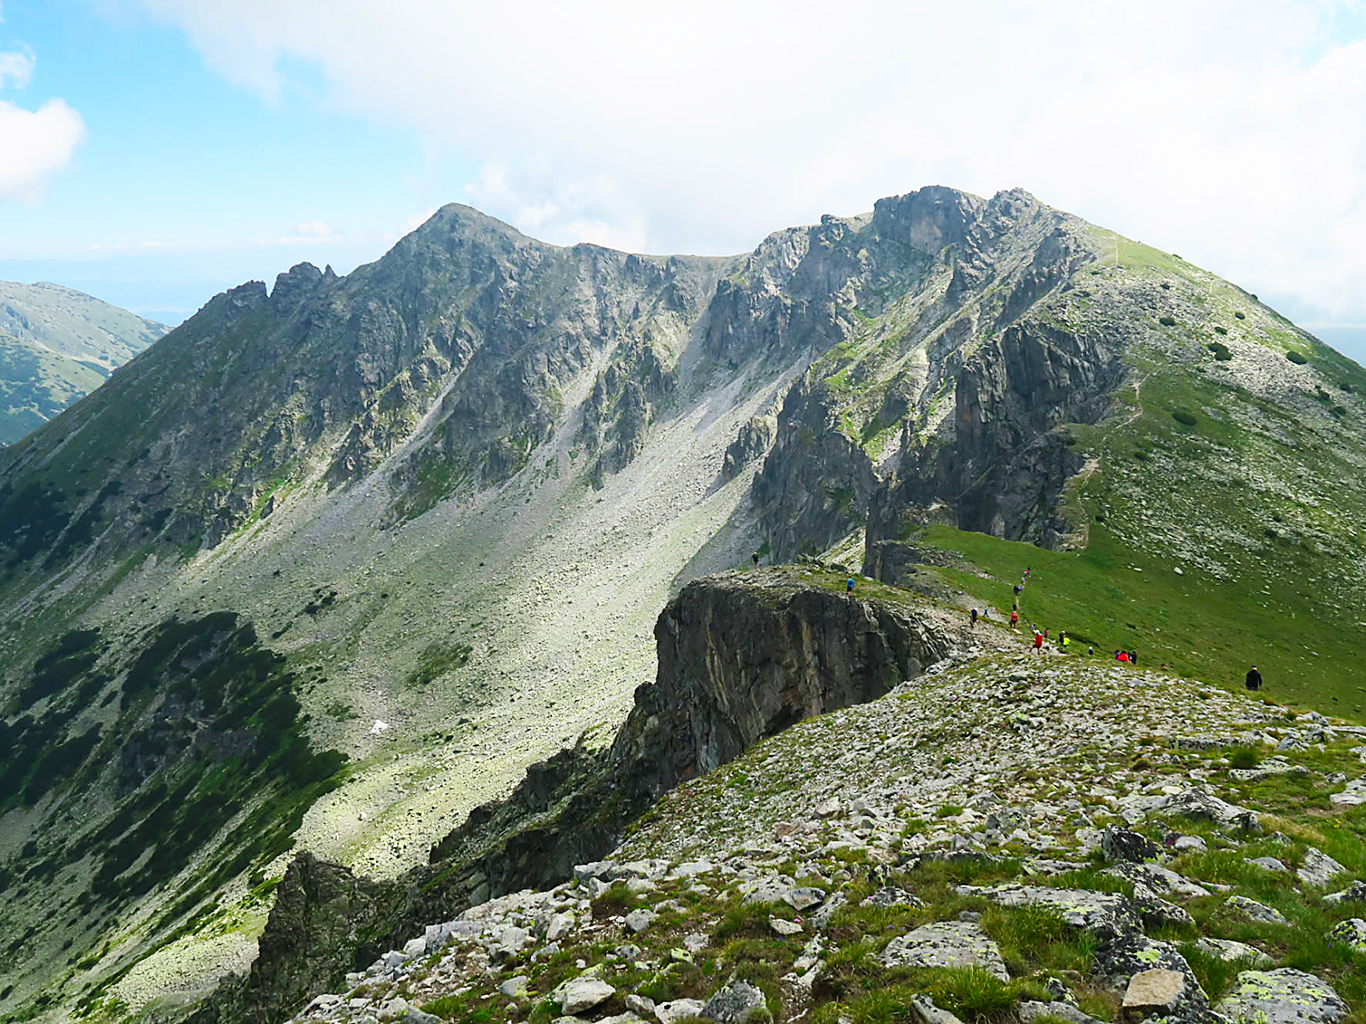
<point>155,152</point>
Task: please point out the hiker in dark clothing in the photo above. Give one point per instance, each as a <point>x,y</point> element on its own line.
<point>1133,657</point>
<point>755,556</point>
<point>974,617</point>
<point>1017,590</point>
<point>1254,678</point>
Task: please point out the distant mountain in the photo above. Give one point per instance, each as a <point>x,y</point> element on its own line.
<point>56,346</point>
<point>331,563</point>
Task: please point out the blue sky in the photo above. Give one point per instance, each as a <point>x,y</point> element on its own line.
<point>153,152</point>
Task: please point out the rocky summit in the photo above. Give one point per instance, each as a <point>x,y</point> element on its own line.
<point>360,632</point>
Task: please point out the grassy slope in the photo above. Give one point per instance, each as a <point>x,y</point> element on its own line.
<point>1200,627</point>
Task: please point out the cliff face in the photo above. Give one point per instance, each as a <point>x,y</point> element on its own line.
<point>741,657</point>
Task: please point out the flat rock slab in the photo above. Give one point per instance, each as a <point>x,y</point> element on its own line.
<point>1318,868</point>
<point>1354,794</point>
<point>1283,996</point>
<point>783,927</point>
<point>1031,1010</point>
<point>1351,932</point>
<point>1103,913</point>
<point>925,1012</point>
<point>1154,991</point>
<point>1230,951</point>
<point>1158,878</point>
<point>1256,911</point>
<point>946,944</point>
<point>1196,803</point>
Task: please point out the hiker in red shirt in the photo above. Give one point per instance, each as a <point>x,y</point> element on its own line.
<point>1014,618</point>
<point>1038,640</point>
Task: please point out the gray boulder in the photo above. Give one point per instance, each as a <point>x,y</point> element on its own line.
<point>946,944</point>
<point>737,1003</point>
<point>1282,996</point>
<point>891,896</point>
<point>1353,795</point>
<point>1318,868</point>
<point>925,1012</point>
<point>1104,914</point>
<point>1196,803</point>
<point>583,994</point>
<point>1228,950</point>
<point>677,1009</point>
<point>1256,911</point>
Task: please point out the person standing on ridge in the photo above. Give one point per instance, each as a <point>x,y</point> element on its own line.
<point>1254,678</point>
<point>755,556</point>
<point>849,586</point>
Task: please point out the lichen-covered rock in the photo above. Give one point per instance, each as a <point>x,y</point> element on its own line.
<point>1121,844</point>
<point>1158,878</point>
<point>1256,911</point>
<point>1355,893</point>
<point>740,1002</point>
<point>1230,951</point>
<point>891,896</point>
<point>1353,795</point>
<point>1196,803</point>
<point>1351,932</point>
<point>946,944</point>
<point>1283,996</point>
<point>1104,914</point>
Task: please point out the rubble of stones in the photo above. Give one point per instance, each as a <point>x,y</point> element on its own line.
<point>1078,790</point>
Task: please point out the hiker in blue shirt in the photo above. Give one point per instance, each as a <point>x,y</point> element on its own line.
<point>849,586</point>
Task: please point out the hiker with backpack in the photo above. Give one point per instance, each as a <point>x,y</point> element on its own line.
<point>1254,679</point>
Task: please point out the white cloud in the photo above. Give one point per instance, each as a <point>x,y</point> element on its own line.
<point>37,144</point>
<point>310,231</point>
<point>1231,131</point>
<point>16,68</point>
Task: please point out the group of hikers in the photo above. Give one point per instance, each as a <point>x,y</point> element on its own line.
<point>1064,642</point>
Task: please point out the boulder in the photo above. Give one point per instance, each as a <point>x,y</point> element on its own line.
<point>1120,844</point>
<point>1282,996</point>
<point>1196,803</point>
<point>738,1003</point>
<point>1155,991</point>
<point>640,919</point>
<point>923,1011</point>
<point>1355,893</point>
<point>1104,914</point>
<point>1318,868</point>
<point>583,994</point>
<point>1267,863</point>
<point>1351,932</point>
<point>1031,1010</point>
<point>1228,950</point>
<point>1256,911</point>
<point>946,944</point>
<point>1158,878</point>
<point>677,1009</point>
<point>891,896</point>
<point>1353,795</point>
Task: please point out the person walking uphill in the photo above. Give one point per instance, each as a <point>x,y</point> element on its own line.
<point>1014,618</point>
<point>1254,678</point>
<point>849,586</point>
<point>974,617</point>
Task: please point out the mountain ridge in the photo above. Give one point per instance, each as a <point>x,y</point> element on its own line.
<point>450,492</point>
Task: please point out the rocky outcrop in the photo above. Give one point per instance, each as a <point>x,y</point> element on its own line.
<point>752,441</point>
<point>816,483</point>
<point>741,657</point>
